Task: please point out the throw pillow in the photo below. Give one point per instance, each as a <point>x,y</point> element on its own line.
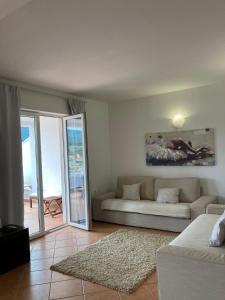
<point>131,192</point>
<point>218,233</point>
<point>168,195</point>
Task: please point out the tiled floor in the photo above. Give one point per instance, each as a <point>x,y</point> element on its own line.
<point>36,281</point>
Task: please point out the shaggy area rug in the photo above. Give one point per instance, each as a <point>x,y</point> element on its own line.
<point>121,260</point>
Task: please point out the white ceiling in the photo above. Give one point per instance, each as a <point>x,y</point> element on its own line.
<point>113,49</point>
<point>9,6</point>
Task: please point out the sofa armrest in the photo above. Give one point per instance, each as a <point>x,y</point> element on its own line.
<point>187,273</point>
<point>215,209</point>
<point>97,202</point>
<point>198,207</point>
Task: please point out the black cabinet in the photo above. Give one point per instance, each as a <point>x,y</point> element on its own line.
<point>14,248</point>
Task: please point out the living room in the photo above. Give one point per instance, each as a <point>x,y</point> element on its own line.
<point>112,137</point>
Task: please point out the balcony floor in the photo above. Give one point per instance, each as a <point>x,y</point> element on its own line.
<point>31,218</point>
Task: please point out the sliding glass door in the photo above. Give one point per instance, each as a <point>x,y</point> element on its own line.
<point>55,177</point>
<point>43,166</point>
<point>77,171</point>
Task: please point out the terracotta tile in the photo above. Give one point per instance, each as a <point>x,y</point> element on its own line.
<point>45,245</point>
<point>40,254</point>
<point>81,248</point>
<point>65,251</point>
<point>36,292</point>
<point>151,279</point>
<point>64,236</point>
<point>37,277</point>
<point>56,276</point>
<point>50,237</point>
<point>7,292</point>
<point>86,241</point>
<point>10,281</point>
<point>59,258</point>
<point>104,295</point>
<point>73,298</point>
<point>90,287</point>
<point>80,232</point>
<point>9,296</point>
<point>143,293</point>
<point>67,288</point>
<point>65,243</point>
<point>41,264</point>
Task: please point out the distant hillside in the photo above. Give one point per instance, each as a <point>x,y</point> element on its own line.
<point>74,135</point>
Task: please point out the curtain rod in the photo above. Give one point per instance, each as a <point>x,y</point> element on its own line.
<point>39,89</point>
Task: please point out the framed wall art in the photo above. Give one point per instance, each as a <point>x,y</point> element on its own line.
<point>181,148</point>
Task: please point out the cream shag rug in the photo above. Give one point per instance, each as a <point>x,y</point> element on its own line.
<point>121,260</point>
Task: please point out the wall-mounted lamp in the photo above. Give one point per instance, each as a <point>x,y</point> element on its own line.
<point>178,121</point>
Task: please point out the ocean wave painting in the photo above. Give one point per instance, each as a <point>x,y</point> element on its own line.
<point>181,148</point>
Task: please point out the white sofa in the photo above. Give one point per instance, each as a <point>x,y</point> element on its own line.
<point>188,269</point>
<point>148,213</point>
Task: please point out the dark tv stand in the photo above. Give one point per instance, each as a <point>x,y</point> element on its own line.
<point>14,248</point>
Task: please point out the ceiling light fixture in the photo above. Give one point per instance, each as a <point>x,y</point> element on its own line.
<point>178,121</point>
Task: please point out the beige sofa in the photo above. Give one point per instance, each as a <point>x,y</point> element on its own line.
<point>148,213</point>
<point>188,269</point>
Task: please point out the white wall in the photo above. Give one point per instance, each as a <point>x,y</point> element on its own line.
<point>129,121</point>
<point>99,151</point>
<point>97,130</point>
<point>43,102</point>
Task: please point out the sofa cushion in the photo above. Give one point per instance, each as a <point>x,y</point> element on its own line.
<point>168,195</point>
<point>131,191</point>
<point>198,233</point>
<point>178,210</point>
<point>147,185</point>
<point>189,187</point>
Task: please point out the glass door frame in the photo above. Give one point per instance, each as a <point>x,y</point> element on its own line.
<point>86,173</point>
<point>38,172</point>
<point>36,116</point>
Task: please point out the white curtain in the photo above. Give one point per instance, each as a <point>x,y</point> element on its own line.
<point>75,106</point>
<point>11,175</point>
